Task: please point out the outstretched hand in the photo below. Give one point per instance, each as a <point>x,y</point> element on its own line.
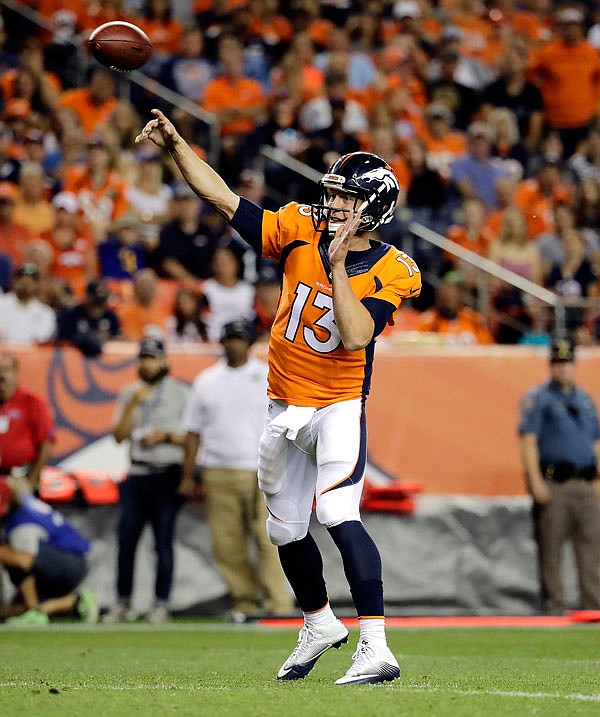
<point>159,130</point>
<point>338,248</point>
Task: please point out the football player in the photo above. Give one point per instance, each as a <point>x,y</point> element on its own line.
<point>340,288</point>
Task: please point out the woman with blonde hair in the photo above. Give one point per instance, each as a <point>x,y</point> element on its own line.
<point>512,250</point>
<point>507,142</point>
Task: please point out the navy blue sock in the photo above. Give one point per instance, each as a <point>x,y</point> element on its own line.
<point>303,567</point>
<point>362,565</point>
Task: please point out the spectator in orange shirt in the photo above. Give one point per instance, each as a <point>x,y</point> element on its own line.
<point>13,236</point>
<point>32,208</point>
<point>470,233</point>
<point>538,196</point>
<point>93,14</point>
<point>529,21</point>
<point>305,16</point>
<point>237,101</point>
<point>30,80</point>
<point>268,25</point>
<point>102,194</point>
<point>505,194</point>
<point>158,23</point>
<point>468,16</point>
<point>459,324</point>
<point>94,102</point>
<point>567,71</point>
<point>74,259</point>
<point>145,314</point>
<point>443,143</point>
<point>296,74</point>
<point>17,117</point>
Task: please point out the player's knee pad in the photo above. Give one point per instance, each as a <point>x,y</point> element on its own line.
<point>281,533</point>
<point>330,510</point>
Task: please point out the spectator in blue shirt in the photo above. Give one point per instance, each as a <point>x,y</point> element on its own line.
<point>45,557</point>
<point>475,173</point>
<point>124,252</point>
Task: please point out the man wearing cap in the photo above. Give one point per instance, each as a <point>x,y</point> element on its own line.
<point>89,324</point>
<point>476,173</point>
<point>225,415</point>
<point>74,251</point>
<point>567,72</point>
<point>24,319</point>
<point>149,415</point>
<point>560,449</point>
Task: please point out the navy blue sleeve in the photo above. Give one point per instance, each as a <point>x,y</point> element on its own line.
<point>247,221</point>
<point>380,311</point>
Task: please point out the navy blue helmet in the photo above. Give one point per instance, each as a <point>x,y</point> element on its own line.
<point>365,176</point>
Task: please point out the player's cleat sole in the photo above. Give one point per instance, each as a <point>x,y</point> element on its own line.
<point>371,666</point>
<point>312,643</point>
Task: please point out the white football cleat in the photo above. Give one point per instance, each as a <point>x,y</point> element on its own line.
<point>371,665</point>
<point>312,643</point>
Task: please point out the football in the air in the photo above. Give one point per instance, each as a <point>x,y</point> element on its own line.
<point>120,46</point>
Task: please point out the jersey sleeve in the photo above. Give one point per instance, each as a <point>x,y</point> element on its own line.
<point>292,223</point>
<point>400,281</point>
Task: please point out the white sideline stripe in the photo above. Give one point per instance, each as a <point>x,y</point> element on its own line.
<point>575,696</point>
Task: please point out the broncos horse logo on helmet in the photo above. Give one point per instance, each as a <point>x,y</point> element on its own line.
<point>365,176</point>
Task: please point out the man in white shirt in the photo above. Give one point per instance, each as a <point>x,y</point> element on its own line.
<point>226,413</point>
<point>24,319</point>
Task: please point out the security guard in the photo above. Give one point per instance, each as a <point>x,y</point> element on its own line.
<point>149,415</point>
<point>560,448</point>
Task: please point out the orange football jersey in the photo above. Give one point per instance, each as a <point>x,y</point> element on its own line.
<point>308,364</point>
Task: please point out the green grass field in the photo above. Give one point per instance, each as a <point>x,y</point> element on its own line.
<point>208,668</point>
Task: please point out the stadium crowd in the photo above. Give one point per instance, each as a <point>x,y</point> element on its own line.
<point>488,113</point>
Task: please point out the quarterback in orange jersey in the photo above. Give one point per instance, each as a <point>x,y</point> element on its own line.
<point>340,288</point>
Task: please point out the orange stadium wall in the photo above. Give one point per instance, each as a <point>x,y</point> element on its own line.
<point>444,417</point>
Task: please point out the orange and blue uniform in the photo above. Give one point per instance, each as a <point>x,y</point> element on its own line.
<point>304,332</point>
